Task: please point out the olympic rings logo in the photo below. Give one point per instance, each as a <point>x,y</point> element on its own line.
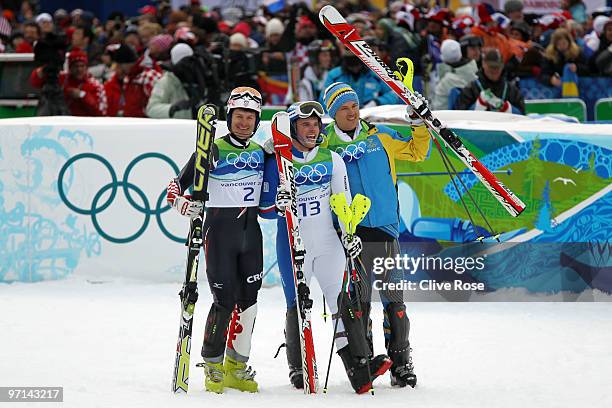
<point>97,207</point>
<point>244,159</point>
<point>310,173</point>
<point>352,151</point>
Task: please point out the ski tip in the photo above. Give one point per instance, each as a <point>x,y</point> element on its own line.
<point>324,10</point>
<point>280,123</point>
<point>207,109</point>
<point>281,114</point>
<point>331,14</point>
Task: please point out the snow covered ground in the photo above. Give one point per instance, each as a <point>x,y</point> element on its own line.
<point>112,345</point>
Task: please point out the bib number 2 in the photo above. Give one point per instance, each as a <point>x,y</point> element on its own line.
<point>248,197</point>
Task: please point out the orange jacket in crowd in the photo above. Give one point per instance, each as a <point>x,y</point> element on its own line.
<point>494,39</point>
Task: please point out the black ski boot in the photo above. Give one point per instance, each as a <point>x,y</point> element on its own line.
<point>403,375</point>
<point>357,369</point>
<point>398,346</point>
<point>294,353</point>
<point>296,376</point>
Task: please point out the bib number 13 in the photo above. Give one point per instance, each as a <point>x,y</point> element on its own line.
<point>310,208</point>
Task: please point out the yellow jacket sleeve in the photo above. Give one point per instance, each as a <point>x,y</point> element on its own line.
<point>415,149</point>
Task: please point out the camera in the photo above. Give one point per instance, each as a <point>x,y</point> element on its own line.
<point>50,53</point>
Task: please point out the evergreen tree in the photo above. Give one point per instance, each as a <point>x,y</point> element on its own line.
<point>592,174</point>
<point>544,219</point>
<point>534,168</point>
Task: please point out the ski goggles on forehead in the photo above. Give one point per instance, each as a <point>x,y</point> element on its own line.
<point>245,100</point>
<point>245,96</point>
<point>307,109</point>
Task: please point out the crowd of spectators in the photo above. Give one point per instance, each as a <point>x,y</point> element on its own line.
<point>163,63</point>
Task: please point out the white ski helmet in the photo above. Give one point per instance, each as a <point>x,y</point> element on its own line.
<point>244,97</point>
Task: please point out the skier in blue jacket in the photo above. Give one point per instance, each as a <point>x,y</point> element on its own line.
<point>369,152</point>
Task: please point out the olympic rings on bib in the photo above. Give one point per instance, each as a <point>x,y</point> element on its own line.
<point>314,174</point>
<point>352,152</point>
<point>97,207</point>
<point>244,159</point>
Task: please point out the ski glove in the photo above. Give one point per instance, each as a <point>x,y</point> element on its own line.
<point>188,208</point>
<point>352,244</point>
<point>422,108</point>
<point>283,200</point>
<point>183,204</point>
<point>490,100</point>
<point>268,146</point>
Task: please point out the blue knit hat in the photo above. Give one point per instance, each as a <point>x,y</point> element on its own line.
<point>336,95</point>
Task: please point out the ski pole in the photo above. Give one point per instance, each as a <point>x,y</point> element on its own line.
<point>342,210</point>
<point>359,208</point>
<point>350,219</point>
<point>444,173</point>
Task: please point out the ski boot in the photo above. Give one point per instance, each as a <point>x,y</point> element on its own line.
<point>379,365</point>
<point>213,376</point>
<point>357,369</point>
<point>239,376</point>
<point>403,375</point>
<point>294,352</point>
<point>398,346</point>
<point>296,376</point>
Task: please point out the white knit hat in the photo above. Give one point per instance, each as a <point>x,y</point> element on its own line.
<point>451,51</point>
<point>239,39</point>
<point>43,17</point>
<point>599,22</point>
<point>180,51</point>
<point>274,26</point>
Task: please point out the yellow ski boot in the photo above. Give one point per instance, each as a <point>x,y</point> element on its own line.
<point>239,376</point>
<point>213,377</point>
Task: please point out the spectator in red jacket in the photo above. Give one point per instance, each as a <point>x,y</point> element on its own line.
<point>129,89</point>
<point>31,33</point>
<point>83,93</point>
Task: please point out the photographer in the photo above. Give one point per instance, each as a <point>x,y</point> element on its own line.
<point>240,64</point>
<point>226,62</point>
<point>65,93</point>
<point>169,98</point>
<point>190,81</point>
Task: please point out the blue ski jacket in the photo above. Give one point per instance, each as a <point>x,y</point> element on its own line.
<point>370,163</point>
